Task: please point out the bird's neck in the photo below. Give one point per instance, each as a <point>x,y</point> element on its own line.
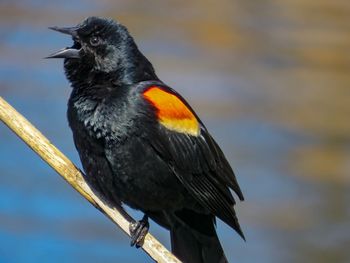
<point>132,68</point>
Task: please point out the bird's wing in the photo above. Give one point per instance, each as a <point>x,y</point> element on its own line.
<point>184,143</point>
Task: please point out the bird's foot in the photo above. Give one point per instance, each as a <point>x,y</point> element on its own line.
<point>138,231</point>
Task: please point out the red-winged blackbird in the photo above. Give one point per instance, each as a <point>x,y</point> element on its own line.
<point>142,144</point>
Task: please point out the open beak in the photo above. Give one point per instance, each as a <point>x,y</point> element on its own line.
<point>69,52</point>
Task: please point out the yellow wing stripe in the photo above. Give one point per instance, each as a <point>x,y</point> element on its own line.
<point>172,113</point>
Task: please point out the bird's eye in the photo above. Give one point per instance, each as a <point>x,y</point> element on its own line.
<point>94,41</point>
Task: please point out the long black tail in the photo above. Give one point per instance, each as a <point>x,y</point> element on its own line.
<point>194,239</point>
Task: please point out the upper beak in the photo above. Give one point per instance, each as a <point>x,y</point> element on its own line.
<point>66,30</point>
<point>66,52</point>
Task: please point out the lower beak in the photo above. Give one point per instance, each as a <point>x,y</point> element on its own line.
<point>66,52</point>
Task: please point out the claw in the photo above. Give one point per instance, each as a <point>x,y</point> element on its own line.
<point>138,231</point>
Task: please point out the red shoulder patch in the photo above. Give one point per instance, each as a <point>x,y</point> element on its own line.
<point>172,112</point>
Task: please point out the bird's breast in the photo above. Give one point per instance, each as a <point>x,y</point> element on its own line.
<point>101,121</point>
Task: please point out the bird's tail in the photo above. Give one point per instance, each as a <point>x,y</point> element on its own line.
<point>194,239</point>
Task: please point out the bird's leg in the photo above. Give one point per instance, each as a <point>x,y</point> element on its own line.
<point>138,231</point>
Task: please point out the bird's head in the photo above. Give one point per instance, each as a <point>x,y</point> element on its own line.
<point>101,46</point>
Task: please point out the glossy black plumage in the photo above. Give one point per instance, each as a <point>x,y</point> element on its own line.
<point>179,180</point>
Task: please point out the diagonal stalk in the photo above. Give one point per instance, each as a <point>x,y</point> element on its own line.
<point>64,167</point>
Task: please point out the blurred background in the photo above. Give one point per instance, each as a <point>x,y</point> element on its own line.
<point>269,78</point>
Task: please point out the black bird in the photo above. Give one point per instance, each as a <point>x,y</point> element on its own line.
<point>141,143</point>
